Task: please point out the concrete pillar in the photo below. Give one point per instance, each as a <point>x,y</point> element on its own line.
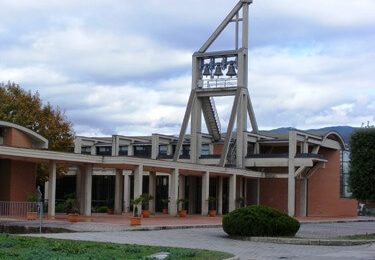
<point>258,191</point>
<point>220,196</point>
<point>130,150</point>
<point>232,193</point>
<point>173,195</point>
<point>196,128</point>
<point>87,190</point>
<point>245,182</point>
<point>181,187</point>
<point>119,188</point>
<point>138,182</point>
<point>115,145</point>
<point>52,189</point>
<point>126,192</point>
<point>303,197</point>
<point>291,171</point>
<point>152,190</point>
<point>77,145</point>
<point>205,192</point>
<point>154,146</point>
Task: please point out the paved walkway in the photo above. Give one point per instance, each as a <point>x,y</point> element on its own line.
<point>216,239</point>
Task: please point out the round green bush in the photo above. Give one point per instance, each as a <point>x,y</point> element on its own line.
<point>259,221</point>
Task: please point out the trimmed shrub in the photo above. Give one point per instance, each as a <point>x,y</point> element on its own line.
<point>259,221</point>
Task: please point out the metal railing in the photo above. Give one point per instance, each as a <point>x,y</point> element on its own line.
<point>16,208</point>
<point>217,83</point>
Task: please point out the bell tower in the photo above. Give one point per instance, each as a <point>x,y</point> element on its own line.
<point>218,74</point>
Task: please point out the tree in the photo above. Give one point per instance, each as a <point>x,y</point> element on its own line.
<point>26,109</point>
<point>362,164</point>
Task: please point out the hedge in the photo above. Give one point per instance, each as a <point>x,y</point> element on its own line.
<point>259,221</point>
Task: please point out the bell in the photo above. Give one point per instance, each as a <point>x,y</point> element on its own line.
<point>231,70</point>
<point>206,70</point>
<point>218,71</point>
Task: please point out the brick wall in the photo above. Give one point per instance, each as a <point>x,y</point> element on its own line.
<point>16,138</point>
<point>324,190</point>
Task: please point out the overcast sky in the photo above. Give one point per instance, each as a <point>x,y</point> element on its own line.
<point>124,67</point>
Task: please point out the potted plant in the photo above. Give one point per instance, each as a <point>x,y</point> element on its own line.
<point>31,213</point>
<point>181,204</point>
<point>212,206</point>
<point>165,203</point>
<point>136,218</point>
<point>110,211</point>
<point>72,208</point>
<point>146,198</point>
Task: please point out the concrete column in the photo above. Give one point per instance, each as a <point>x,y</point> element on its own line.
<point>115,145</point>
<point>126,192</point>
<point>181,187</point>
<point>196,128</point>
<point>154,146</point>
<point>173,195</point>
<point>303,197</point>
<point>87,184</point>
<point>205,192</point>
<point>77,145</point>
<point>138,182</point>
<point>291,171</point>
<point>130,150</point>
<point>119,188</point>
<point>232,192</point>
<point>220,196</point>
<point>245,182</point>
<point>52,189</point>
<point>151,190</point>
<point>258,191</point>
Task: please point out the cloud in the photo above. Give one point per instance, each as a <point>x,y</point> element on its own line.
<point>125,67</point>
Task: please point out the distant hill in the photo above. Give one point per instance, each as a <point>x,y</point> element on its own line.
<point>344,131</point>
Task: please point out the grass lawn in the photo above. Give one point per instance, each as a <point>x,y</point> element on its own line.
<point>16,247</point>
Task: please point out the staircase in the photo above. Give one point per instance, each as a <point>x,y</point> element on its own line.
<point>232,151</point>
<point>212,118</point>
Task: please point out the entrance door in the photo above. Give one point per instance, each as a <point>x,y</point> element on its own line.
<point>161,192</point>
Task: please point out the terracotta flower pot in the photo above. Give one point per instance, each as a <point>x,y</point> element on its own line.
<point>145,213</point>
<point>73,217</point>
<point>212,212</point>
<point>31,215</point>
<point>135,221</point>
<point>165,211</point>
<point>182,213</point>
<point>110,211</point>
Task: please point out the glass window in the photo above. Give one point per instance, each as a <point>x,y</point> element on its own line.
<point>142,151</point>
<point>123,150</point>
<point>186,150</point>
<point>104,150</point>
<point>344,174</point>
<point>163,149</point>
<point>86,150</point>
<point>205,149</point>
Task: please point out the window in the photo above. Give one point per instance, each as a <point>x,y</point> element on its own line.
<point>142,151</point>
<point>163,149</point>
<point>344,174</point>
<point>186,150</point>
<point>86,150</point>
<point>104,150</point>
<point>205,150</point>
<point>123,150</point>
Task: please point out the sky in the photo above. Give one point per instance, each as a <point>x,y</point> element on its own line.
<point>124,67</point>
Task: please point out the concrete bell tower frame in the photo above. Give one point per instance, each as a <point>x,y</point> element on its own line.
<point>208,81</point>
